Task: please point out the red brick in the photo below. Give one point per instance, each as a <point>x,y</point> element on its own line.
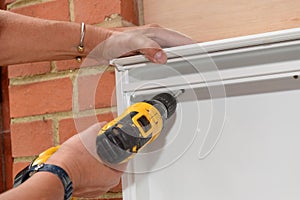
<point>31,138</point>
<point>94,11</point>
<point>6,2</point>
<point>5,100</point>
<point>72,64</point>
<point>17,167</point>
<point>6,126</point>
<point>28,69</point>
<point>54,10</point>
<point>129,11</point>
<point>96,91</point>
<point>67,127</point>
<point>9,1</point>
<point>41,98</point>
<point>3,7</point>
<point>67,65</point>
<point>8,159</point>
<point>2,162</point>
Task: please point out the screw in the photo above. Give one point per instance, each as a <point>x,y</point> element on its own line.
<point>295,76</point>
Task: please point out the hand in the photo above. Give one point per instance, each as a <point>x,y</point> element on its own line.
<point>90,177</point>
<point>147,40</point>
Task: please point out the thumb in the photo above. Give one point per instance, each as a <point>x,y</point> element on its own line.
<point>156,55</point>
<point>88,138</point>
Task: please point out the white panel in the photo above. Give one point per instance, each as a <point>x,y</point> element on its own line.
<point>255,158</point>
<point>235,133</point>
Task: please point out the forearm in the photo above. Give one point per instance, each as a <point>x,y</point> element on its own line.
<point>26,39</point>
<point>42,185</point>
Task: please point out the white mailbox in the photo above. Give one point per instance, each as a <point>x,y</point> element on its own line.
<point>236,131</point>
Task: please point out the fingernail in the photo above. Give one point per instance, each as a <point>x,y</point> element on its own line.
<point>159,57</point>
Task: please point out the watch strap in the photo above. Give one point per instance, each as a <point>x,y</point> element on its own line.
<point>59,172</point>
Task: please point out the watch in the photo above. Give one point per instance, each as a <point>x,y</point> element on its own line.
<point>58,171</point>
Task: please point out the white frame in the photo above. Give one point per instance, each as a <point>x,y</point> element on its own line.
<point>267,42</point>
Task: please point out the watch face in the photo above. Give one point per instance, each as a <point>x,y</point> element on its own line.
<point>34,169</point>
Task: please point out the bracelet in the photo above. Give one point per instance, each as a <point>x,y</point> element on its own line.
<point>80,47</point>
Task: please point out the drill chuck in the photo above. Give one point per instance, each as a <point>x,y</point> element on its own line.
<point>169,101</point>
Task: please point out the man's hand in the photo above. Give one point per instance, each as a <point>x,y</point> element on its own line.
<point>90,177</point>
<point>147,40</point>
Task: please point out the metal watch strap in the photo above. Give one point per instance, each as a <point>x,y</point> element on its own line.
<point>58,171</point>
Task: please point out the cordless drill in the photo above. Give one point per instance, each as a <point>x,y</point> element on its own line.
<point>140,124</point>
<point>120,139</point>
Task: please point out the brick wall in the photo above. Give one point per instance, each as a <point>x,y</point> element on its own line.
<point>40,94</point>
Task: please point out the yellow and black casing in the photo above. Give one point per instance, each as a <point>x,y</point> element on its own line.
<point>120,139</point>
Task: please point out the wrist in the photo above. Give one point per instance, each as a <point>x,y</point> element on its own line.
<point>68,165</point>
<point>42,185</point>
<point>63,167</point>
<point>61,174</point>
<point>64,179</point>
<point>48,177</point>
<point>94,36</point>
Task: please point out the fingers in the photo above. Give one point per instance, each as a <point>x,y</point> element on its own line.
<point>150,48</point>
<point>169,38</point>
<point>163,36</point>
<point>120,44</point>
<point>133,28</point>
<point>154,39</point>
<point>147,40</point>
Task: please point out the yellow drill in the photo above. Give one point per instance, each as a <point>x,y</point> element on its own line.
<point>139,125</point>
<point>120,139</point>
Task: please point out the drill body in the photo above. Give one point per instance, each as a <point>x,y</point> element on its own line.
<point>140,124</point>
